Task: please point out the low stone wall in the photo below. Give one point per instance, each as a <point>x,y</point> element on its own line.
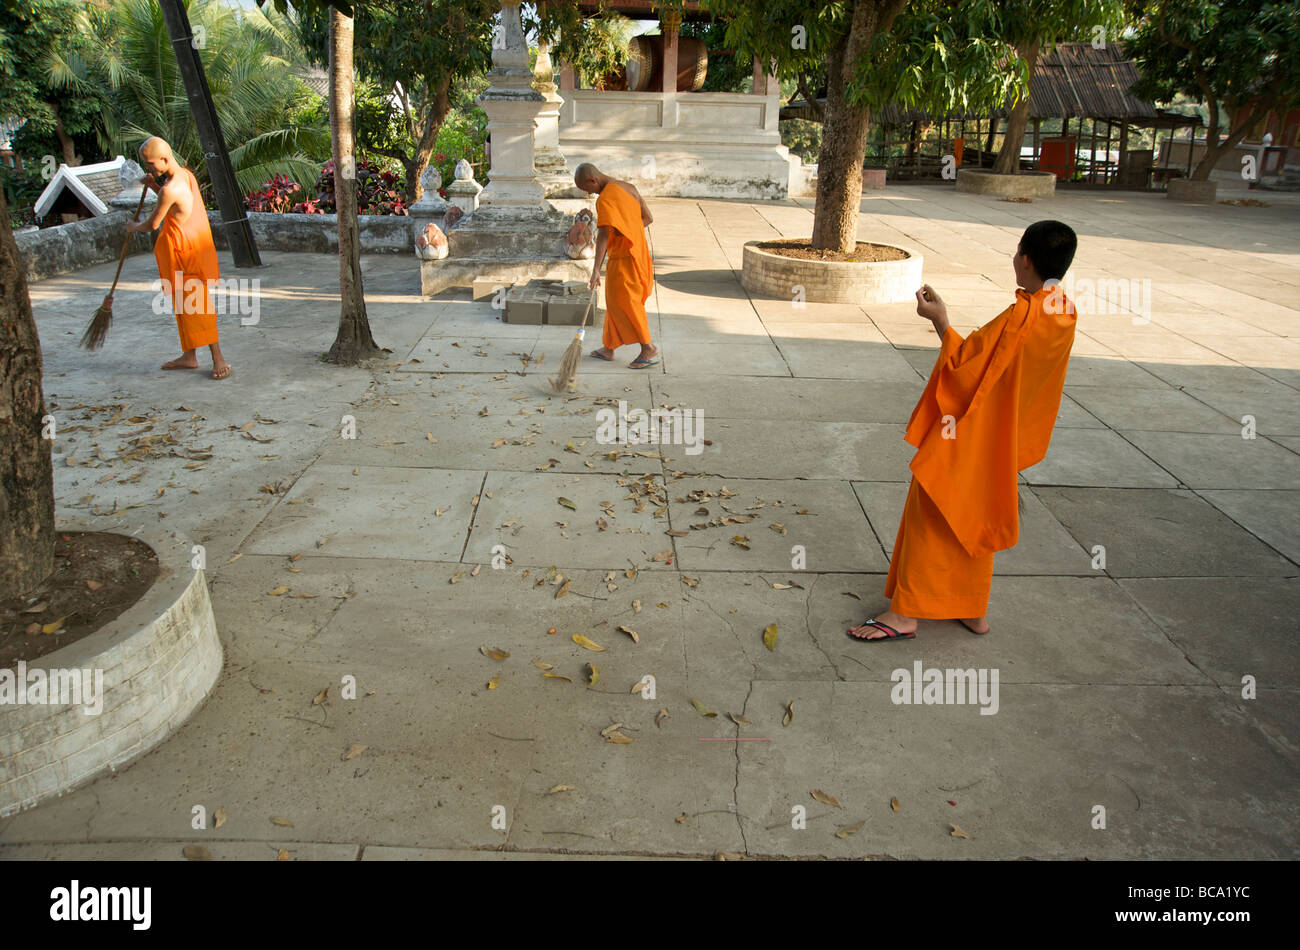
<point>318,233</point>
<point>1024,185</point>
<point>1184,189</point>
<point>774,275</point>
<point>71,247</point>
<point>160,659</point>
<point>66,248</point>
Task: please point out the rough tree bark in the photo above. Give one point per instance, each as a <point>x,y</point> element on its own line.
<point>1008,160</point>
<point>353,343</point>
<point>844,130</point>
<point>26,472</point>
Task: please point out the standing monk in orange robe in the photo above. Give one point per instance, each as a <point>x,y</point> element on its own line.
<point>986,414</point>
<point>621,216</point>
<point>187,258</point>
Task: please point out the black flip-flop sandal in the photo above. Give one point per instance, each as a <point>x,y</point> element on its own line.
<point>891,633</point>
<point>596,354</point>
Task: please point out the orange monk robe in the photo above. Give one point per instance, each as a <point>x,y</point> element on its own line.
<point>986,414</point>
<point>187,260</point>
<point>629,275</point>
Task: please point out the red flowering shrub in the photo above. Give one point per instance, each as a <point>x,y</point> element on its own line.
<point>378,192</point>
<point>274,196</point>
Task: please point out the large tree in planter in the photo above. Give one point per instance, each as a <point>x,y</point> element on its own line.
<point>1032,27</point>
<point>1229,53</point>
<point>930,54</point>
<point>420,52</point>
<point>26,472</point>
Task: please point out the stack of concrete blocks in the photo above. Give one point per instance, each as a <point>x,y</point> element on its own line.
<point>550,302</point>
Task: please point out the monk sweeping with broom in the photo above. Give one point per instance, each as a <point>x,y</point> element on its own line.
<point>186,256</point>
<point>621,215</point>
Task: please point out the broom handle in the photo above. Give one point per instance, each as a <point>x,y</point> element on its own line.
<point>127,243</point>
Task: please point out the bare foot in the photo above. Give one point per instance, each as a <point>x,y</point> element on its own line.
<point>888,618</point>
<point>182,362</point>
<point>976,625</point>
<point>603,353</point>
<point>221,370</point>
<point>648,356</point>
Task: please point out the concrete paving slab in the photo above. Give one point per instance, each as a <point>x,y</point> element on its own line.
<point>219,847</point>
<point>1161,533</point>
<point>1097,457</point>
<point>1197,613</point>
<point>758,448</point>
<point>1272,516</point>
<point>1118,747</point>
<point>369,511</point>
<point>877,362</point>
<point>725,359</point>
<point>834,533</point>
<point>1220,461</point>
<point>793,400</point>
<point>1165,409</point>
<point>1275,412</point>
<point>527,501</point>
<point>1196,375</point>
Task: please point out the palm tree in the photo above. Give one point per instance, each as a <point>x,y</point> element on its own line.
<point>249,66</point>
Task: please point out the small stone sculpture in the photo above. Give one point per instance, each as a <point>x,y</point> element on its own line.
<point>431,245</point>
<point>581,241</point>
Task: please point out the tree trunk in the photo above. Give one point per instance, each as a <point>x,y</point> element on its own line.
<point>844,131</point>
<point>353,342</point>
<point>428,139</point>
<point>1214,151</point>
<point>26,472</point>
<point>66,145</point>
<point>1008,160</point>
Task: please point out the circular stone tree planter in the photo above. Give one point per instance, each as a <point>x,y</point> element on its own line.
<point>978,181</point>
<point>148,670</point>
<point>766,274</point>
<point>1184,189</point>
<point>873,179</point>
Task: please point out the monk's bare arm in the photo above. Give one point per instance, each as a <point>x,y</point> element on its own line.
<point>602,248</point>
<point>932,307</point>
<point>167,199</point>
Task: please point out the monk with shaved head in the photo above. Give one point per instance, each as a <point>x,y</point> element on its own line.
<point>186,256</point>
<point>621,216</point>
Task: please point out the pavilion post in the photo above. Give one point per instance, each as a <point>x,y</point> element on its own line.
<point>671,26</point>
<point>1037,123</point>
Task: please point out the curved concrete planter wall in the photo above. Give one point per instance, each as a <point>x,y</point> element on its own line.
<point>977,181</point>
<point>159,660</point>
<point>765,274</point>
<point>1183,189</point>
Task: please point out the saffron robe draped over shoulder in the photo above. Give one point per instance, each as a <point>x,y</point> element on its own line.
<point>987,413</point>
<point>187,261</point>
<point>629,273</point>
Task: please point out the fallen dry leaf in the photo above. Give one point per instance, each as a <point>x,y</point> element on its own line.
<point>557,676</point>
<point>542,666</point>
<point>282,589</point>
<point>893,803</point>
<point>958,833</point>
<point>94,585</point>
<point>631,633</point>
<point>586,644</point>
<point>495,653</point>
<point>703,710</point>
<point>564,589</point>
<point>769,636</point>
<point>559,788</point>
<point>218,818</point>
<point>54,625</point>
<point>850,830</point>
<point>282,854</point>
<point>320,697</point>
<point>636,606</point>
<point>789,713</point>
<point>592,672</point>
<point>566,503</point>
<point>660,716</point>
<point>196,852</point>
<point>282,822</point>
<point>353,751</point>
<point>739,720</point>
<point>825,799</point>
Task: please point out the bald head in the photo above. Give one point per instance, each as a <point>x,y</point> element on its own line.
<point>157,158</point>
<point>589,178</point>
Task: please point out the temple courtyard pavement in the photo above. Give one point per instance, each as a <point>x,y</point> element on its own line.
<point>1143,631</point>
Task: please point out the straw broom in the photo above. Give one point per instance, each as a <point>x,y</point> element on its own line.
<point>568,374</point>
<point>94,336</point>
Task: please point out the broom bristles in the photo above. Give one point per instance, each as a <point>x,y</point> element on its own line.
<point>568,371</point>
<point>94,336</point>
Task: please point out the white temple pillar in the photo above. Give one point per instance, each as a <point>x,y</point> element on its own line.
<point>552,168</point>
<point>512,105</point>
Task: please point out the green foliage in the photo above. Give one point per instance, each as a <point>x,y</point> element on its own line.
<point>266,113</point>
<point>1227,51</point>
<point>38,38</point>
<point>728,72</point>
<point>21,189</point>
<point>595,46</point>
<point>803,137</point>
